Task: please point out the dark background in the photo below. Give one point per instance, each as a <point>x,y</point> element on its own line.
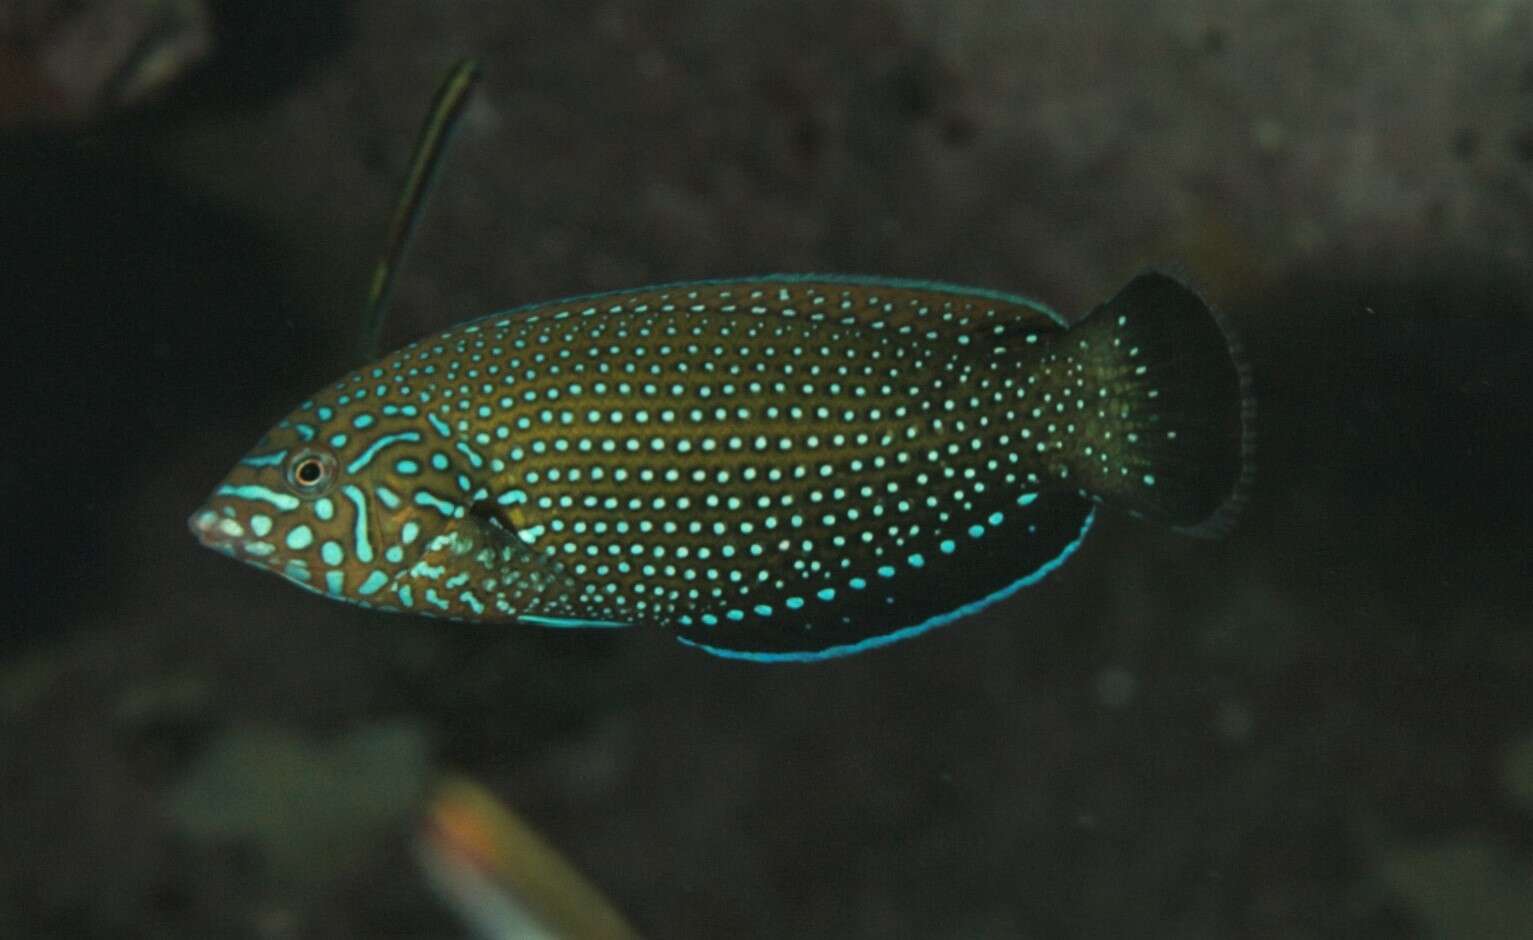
<point>1321,726</point>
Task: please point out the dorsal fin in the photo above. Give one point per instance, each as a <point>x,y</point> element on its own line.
<point>931,309</point>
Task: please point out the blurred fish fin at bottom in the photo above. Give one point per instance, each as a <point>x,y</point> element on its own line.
<point>502,878</point>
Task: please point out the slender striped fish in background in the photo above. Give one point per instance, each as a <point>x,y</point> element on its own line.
<point>780,468</point>
<point>502,878</point>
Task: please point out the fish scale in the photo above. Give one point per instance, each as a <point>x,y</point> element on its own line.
<point>777,468</point>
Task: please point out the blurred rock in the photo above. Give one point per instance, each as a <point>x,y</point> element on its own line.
<point>306,808</point>
<point>1115,687</point>
<point>1517,773</point>
<point>1464,888</point>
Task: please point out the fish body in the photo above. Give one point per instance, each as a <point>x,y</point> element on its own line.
<point>782,468</point>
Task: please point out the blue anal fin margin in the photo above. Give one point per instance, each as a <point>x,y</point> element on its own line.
<point>902,633</point>
<point>537,620</point>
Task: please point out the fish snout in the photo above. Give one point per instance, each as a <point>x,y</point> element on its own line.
<point>216,531</point>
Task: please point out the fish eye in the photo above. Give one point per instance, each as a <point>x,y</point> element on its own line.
<point>311,472</point>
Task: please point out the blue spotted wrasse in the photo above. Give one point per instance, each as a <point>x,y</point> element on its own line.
<point>783,468</point>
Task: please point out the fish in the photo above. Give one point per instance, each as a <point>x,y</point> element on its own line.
<point>782,468</point>
<point>786,468</point>
<point>502,878</point>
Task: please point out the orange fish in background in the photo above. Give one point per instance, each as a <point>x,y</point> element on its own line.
<point>501,877</point>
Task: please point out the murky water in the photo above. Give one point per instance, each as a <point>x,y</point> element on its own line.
<point>1317,726</point>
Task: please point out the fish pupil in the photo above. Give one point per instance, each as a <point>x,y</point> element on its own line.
<point>311,473</point>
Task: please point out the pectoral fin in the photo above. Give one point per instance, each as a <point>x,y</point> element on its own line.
<point>476,568</point>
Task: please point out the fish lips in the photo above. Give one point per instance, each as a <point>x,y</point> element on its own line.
<point>220,532</point>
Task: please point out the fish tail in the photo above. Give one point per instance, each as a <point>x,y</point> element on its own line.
<point>1172,439</point>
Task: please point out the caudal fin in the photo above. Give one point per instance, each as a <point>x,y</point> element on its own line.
<point>1173,439</point>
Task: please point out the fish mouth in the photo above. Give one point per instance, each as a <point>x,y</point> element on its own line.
<point>217,532</point>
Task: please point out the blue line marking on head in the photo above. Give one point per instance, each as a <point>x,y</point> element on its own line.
<point>364,547</point>
<point>254,491</point>
<point>265,460</point>
<point>366,457</point>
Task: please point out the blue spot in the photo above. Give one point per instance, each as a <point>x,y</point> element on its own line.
<point>474,459</point>
<point>324,508</point>
<point>406,596</point>
<point>858,584</point>
<point>362,422</point>
<point>337,440</point>
<point>440,425</point>
<point>886,571</point>
<point>916,560</point>
<point>407,467</point>
<point>976,530</point>
<point>764,610</point>
<point>375,581</point>
<point>948,546</point>
<point>1027,499</point>
<point>335,582</point>
<point>423,498</point>
<point>332,554</point>
<point>300,538</point>
<point>792,603</point>
<point>826,594</point>
<point>735,615</point>
<point>439,460</point>
<point>996,519</point>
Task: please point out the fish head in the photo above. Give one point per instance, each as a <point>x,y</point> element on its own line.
<point>321,500</point>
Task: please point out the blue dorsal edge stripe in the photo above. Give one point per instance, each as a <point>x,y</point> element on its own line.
<point>905,633</point>
<point>774,280</point>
